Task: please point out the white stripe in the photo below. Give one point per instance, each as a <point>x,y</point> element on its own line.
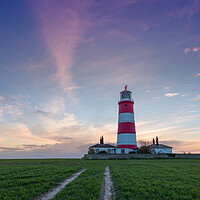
<point>125,99</point>
<point>126,138</point>
<point>126,117</point>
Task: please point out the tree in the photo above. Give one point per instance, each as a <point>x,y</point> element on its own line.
<point>144,146</point>
<point>91,151</point>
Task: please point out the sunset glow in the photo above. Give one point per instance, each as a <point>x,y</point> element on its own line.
<point>63,64</point>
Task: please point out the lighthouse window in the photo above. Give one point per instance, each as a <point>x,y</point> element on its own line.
<point>125,105</point>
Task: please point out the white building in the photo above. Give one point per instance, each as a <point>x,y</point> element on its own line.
<point>160,149</point>
<point>107,148</point>
<point>97,148</point>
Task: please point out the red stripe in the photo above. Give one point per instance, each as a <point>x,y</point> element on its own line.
<point>126,107</point>
<point>127,101</point>
<point>126,127</point>
<point>127,146</point>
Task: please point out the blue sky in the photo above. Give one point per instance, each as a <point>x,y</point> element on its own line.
<point>63,64</point>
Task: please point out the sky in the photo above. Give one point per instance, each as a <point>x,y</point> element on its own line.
<point>63,64</point>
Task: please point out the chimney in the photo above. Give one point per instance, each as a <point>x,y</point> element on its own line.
<point>102,139</point>
<point>157,140</point>
<point>153,141</point>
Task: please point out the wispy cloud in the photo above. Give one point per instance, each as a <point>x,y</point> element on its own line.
<point>197,98</point>
<point>44,113</point>
<point>1,113</point>
<point>171,94</point>
<point>66,149</point>
<point>56,145</point>
<point>186,50</point>
<point>148,91</point>
<point>197,75</point>
<point>180,146</point>
<point>143,123</point>
<point>12,106</point>
<point>167,88</point>
<point>11,148</point>
<point>194,49</point>
<point>19,133</point>
<point>154,131</point>
<point>63,25</point>
<point>190,146</point>
<point>186,11</point>
<point>2,98</point>
<point>168,126</point>
<point>72,88</point>
<point>71,92</point>
<point>55,105</point>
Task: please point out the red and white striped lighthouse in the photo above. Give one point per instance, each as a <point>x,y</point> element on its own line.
<point>126,135</point>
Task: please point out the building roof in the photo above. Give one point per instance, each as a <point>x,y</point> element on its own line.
<point>103,146</point>
<point>160,146</point>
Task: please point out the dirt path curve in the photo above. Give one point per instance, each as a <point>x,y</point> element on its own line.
<point>52,193</point>
<point>107,192</point>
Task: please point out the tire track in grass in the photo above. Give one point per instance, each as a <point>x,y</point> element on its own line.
<point>87,186</point>
<point>51,194</point>
<point>107,191</point>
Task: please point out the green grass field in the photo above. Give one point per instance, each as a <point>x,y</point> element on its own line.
<point>27,181</point>
<point>157,179</point>
<point>133,179</point>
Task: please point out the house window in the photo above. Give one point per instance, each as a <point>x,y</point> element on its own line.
<point>125,105</point>
<point>122,151</point>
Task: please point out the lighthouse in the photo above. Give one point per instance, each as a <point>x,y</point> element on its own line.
<point>126,135</point>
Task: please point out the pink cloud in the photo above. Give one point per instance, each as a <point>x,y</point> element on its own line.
<point>187,11</point>
<point>18,133</point>
<point>171,94</point>
<point>189,146</point>
<point>186,50</point>
<point>197,98</point>
<point>195,49</point>
<point>198,74</point>
<point>19,139</point>
<point>62,25</point>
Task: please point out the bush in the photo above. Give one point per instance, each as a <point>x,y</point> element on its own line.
<point>144,149</point>
<point>91,151</point>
